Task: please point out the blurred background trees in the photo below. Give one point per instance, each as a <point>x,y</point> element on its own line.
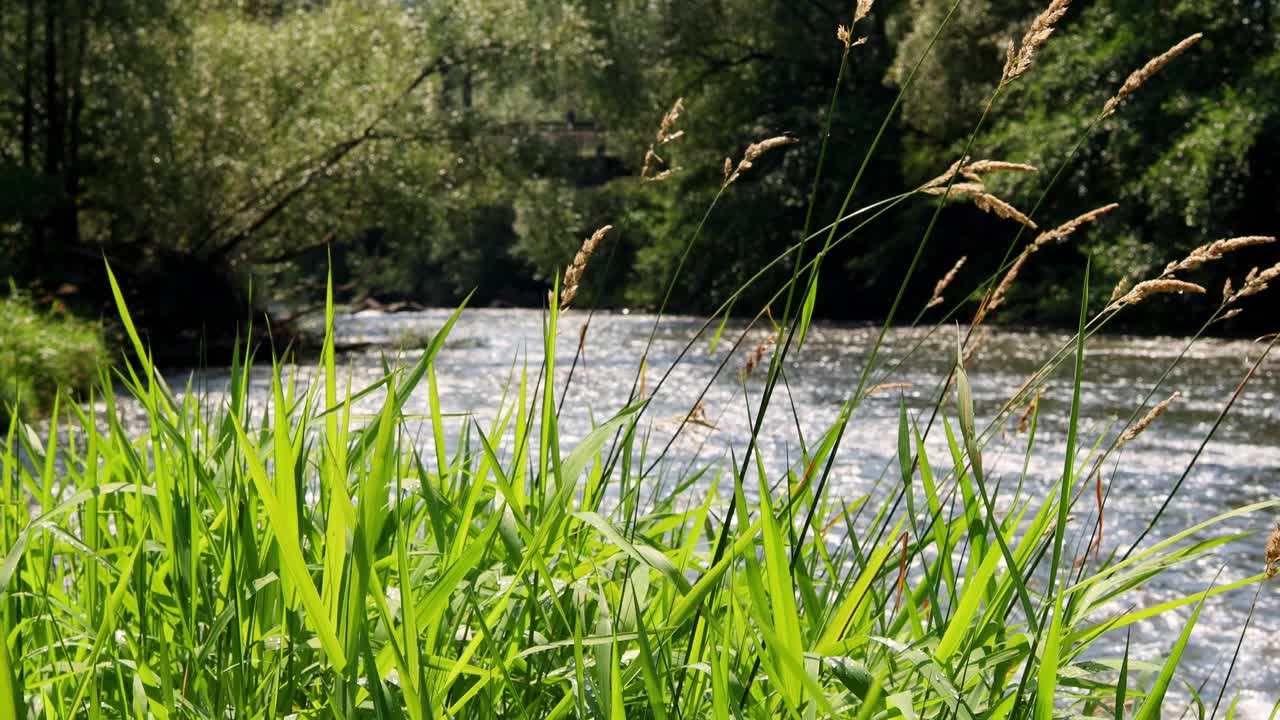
<point>440,147</point>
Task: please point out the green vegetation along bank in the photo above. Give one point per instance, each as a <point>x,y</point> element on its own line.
<point>42,352</point>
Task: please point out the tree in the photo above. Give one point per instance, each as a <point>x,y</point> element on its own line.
<point>1190,156</point>
<point>191,145</point>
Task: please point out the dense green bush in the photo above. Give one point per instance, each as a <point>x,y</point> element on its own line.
<point>41,352</point>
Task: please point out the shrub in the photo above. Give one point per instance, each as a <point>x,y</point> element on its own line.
<point>41,352</point>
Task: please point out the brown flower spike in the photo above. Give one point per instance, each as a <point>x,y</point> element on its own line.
<point>1019,61</point>
<point>1273,552</point>
<point>573,273</point>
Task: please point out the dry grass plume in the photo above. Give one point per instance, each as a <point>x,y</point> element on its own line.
<point>757,355</point>
<point>1147,419</point>
<point>888,387</point>
<point>845,34</point>
<point>1215,251</point>
<point>1019,60</point>
<point>1061,232</point>
<point>1273,552</point>
<point>936,298</point>
<point>1147,288</point>
<point>1255,282</point>
<point>666,134</point>
<point>753,153</point>
<point>1144,73</point>
<point>573,273</point>
<point>975,188</point>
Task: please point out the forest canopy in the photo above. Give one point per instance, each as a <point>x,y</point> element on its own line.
<point>227,152</point>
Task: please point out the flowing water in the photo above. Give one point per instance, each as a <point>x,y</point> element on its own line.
<point>1239,466</point>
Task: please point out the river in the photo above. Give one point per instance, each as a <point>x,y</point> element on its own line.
<point>1241,465</point>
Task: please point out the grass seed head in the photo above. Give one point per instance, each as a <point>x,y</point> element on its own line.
<point>1144,73</point>
<point>1215,251</point>
<point>665,174</point>
<point>845,34</point>
<point>1062,231</point>
<point>862,10</point>
<point>1024,420</point>
<point>698,416</point>
<point>1122,287</point>
<point>756,356</point>
<point>1070,226</point>
<point>1018,62</point>
<point>994,205</point>
<point>1147,288</point>
<point>666,134</point>
<point>946,176</point>
<point>976,189</point>
<point>573,273</point>
<point>986,167</point>
<point>973,171</point>
<point>1255,282</point>
<point>963,188</point>
<point>1273,552</point>
<point>1001,292</point>
<point>976,344</point>
<point>887,387</point>
<point>936,298</point>
<point>755,150</point>
<point>1147,419</point>
<point>665,128</point>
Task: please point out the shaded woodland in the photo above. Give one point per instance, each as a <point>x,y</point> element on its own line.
<point>220,153</point>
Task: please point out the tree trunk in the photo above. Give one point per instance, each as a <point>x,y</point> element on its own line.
<point>61,228</point>
<point>53,146</point>
<point>45,232</point>
<point>71,220</point>
<point>28,73</point>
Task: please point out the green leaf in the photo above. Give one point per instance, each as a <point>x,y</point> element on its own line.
<point>644,554</point>
<point>10,697</point>
<point>1152,704</point>
<point>1047,677</point>
<point>590,446</point>
<point>1122,683</point>
<point>806,311</point>
<point>295,566</point>
<point>853,675</point>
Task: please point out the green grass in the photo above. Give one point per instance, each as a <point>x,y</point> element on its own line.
<point>41,352</point>
<point>300,558</point>
<point>267,560</point>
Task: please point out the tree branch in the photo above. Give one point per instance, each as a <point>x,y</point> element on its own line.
<point>329,159</point>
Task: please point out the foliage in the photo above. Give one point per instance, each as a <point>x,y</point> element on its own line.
<point>235,136</point>
<point>42,352</point>
<point>478,141</point>
<point>1189,158</point>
